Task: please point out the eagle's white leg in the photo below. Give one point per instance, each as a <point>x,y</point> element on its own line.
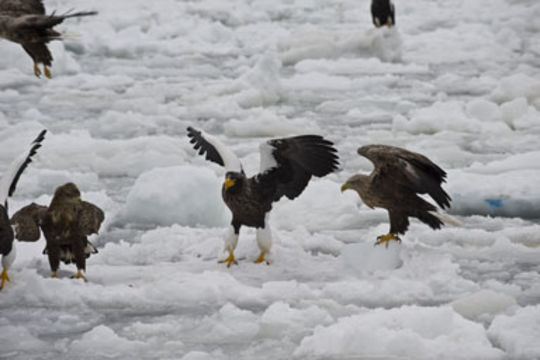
<point>264,240</point>
<point>7,260</point>
<point>231,239</point>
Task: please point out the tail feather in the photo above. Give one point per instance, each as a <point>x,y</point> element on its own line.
<point>446,218</point>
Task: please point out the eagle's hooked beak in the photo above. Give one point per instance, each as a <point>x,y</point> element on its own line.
<point>345,186</point>
<point>228,183</point>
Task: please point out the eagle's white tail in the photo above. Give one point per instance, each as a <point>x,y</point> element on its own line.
<point>446,218</point>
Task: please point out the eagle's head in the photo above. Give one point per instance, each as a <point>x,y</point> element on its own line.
<point>356,182</point>
<point>68,192</point>
<point>233,181</point>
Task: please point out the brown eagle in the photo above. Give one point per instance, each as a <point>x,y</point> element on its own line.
<point>8,183</point>
<point>66,224</point>
<point>287,165</point>
<point>382,13</point>
<point>398,177</point>
<point>25,22</point>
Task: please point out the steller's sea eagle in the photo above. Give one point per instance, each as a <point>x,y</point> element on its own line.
<point>66,224</point>
<point>383,13</point>
<point>286,167</point>
<point>399,175</point>
<point>25,22</point>
<point>8,183</point>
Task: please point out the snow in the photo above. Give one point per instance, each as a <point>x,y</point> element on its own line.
<point>453,81</point>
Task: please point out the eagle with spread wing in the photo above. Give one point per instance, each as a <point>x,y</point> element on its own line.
<point>383,13</point>
<point>8,183</point>
<point>286,167</point>
<point>66,223</point>
<point>394,184</point>
<point>25,22</point>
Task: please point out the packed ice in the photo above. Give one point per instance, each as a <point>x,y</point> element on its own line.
<point>458,81</point>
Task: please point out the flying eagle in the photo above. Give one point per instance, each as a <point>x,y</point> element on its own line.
<point>25,22</point>
<point>382,13</point>
<point>8,184</point>
<point>398,177</point>
<point>66,224</point>
<point>286,167</point>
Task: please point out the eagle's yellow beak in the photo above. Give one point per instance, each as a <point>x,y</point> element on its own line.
<point>228,183</point>
<point>345,186</point>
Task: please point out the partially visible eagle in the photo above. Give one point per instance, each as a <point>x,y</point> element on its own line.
<point>66,224</point>
<point>383,13</point>
<point>25,22</point>
<point>8,183</point>
<point>286,167</point>
<point>398,177</point>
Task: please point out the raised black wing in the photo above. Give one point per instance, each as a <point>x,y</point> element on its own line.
<point>409,169</point>
<point>13,173</point>
<point>288,164</point>
<point>213,149</point>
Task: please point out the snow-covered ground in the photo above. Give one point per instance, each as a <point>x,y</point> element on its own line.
<point>456,80</point>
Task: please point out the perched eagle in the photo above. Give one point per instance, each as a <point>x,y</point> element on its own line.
<point>7,188</point>
<point>286,167</point>
<point>382,13</point>
<point>66,223</point>
<point>398,177</point>
<point>25,22</point>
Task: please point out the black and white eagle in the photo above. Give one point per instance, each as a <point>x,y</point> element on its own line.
<point>8,183</point>
<point>383,13</point>
<point>25,22</point>
<point>286,167</point>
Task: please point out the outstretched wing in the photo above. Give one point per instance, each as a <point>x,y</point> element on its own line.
<point>410,169</point>
<point>14,171</point>
<point>288,164</point>
<point>214,149</point>
<point>27,222</point>
<point>21,7</point>
<point>90,218</point>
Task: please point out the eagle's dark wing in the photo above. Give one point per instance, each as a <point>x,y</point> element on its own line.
<point>90,218</point>
<point>13,173</point>
<point>288,164</point>
<point>21,7</point>
<point>27,222</point>
<point>214,149</point>
<point>409,169</point>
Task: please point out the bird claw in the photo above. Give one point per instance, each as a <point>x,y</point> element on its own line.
<point>3,278</point>
<point>261,258</point>
<point>229,260</point>
<point>385,239</point>
<point>37,71</point>
<point>79,275</point>
<point>47,72</point>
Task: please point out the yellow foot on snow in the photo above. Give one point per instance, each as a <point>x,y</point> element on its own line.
<point>79,275</point>
<point>385,239</point>
<point>3,278</point>
<point>229,260</point>
<point>261,258</point>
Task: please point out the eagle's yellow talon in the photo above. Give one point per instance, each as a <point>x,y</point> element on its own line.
<point>229,260</point>
<point>47,71</point>
<point>37,72</point>
<point>385,239</point>
<point>261,258</point>
<point>79,275</point>
<point>3,278</point>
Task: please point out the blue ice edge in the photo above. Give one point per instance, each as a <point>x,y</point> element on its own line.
<point>494,203</point>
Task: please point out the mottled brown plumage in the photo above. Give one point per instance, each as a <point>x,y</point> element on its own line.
<point>287,165</point>
<point>25,22</point>
<point>394,184</point>
<point>66,223</point>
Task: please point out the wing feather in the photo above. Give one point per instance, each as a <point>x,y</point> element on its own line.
<point>410,169</point>
<point>288,164</point>
<point>214,149</point>
<point>27,222</point>
<point>14,171</point>
<point>90,218</point>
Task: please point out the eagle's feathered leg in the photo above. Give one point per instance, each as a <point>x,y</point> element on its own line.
<point>7,260</point>
<point>231,239</point>
<point>53,253</point>
<point>385,239</point>
<point>264,241</point>
<point>78,247</point>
